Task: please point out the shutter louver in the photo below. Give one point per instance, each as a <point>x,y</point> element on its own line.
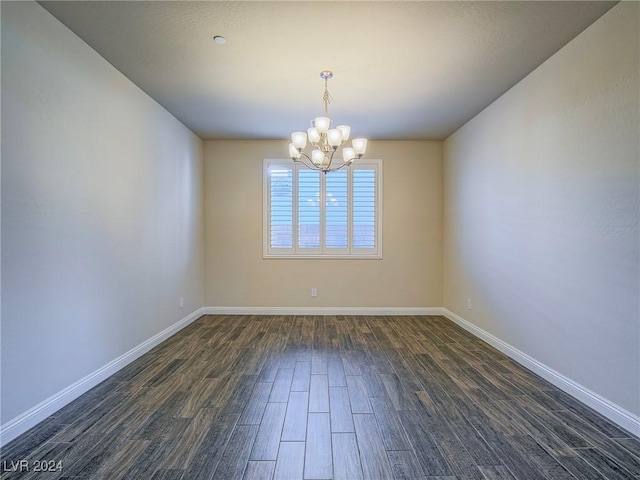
<point>364,208</point>
<point>308,209</point>
<point>281,208</point>
<point>336,210</point>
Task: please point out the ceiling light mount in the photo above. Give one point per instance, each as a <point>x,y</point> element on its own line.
<point>326,74</point>
<point>325,140</point>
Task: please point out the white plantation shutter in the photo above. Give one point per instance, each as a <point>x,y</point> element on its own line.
<point>364,208</point>
<point>336,211</point>
<point>315,215</point>
<point>280,185</point>
<point>308,221</point>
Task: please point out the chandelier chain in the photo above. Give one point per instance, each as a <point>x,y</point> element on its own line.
<point>326,98</point>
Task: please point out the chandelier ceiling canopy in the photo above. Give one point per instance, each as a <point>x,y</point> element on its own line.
<point>325,140</point>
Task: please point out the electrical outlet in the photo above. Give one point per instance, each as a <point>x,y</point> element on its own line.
<point>468,304</point>
<point>314,292</point>
<point>181,302</point>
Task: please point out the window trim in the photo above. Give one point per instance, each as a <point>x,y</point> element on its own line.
<point>290,253</point>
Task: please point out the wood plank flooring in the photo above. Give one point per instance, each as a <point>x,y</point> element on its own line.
<point>324,397</point>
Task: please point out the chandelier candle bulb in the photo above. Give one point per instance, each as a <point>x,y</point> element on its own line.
<point>345,130</point>
<point>314,136</point>
<point>293,151</point>
<point>359,146</point>
<point>334,138</point>
<point>322,124</point>
<point>299,140</point>
<point>317,157</point>
<point>325,141</point>
<point>348,154</point>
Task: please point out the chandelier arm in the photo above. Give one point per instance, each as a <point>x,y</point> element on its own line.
<point>308,165</point>
<point>328,169</point>
<point>346,164</point>
<point>313,166</point>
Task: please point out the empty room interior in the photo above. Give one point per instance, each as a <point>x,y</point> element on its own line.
<point>320,240</point>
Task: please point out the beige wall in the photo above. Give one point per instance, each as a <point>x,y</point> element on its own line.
<point>409,275</point>
<point>542,207</point>
<point>101,212</point>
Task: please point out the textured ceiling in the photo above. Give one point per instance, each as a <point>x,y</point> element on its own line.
<point>403,70</point>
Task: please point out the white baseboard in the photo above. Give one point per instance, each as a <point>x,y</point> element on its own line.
<point>324,311</point>
<point>35,415</point>
<point>613,412</point>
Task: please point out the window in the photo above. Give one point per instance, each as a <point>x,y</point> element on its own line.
<point>310,214</point>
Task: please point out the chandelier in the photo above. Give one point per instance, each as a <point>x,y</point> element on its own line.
<point>325,140</point>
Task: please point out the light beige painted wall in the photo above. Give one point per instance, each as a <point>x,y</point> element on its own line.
<point>542,206</point>
<point>102,227</point>
<point>409,275</point>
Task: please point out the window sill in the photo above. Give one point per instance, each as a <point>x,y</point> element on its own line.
<point>322,257</point>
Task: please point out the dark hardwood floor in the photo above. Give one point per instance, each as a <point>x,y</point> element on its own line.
<point>324,397</point>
